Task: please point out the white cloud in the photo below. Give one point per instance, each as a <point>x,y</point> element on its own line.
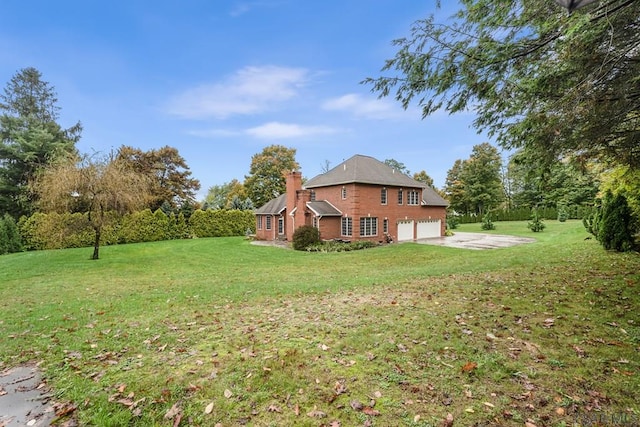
<point>369,108</point>
<point>251,90</point>
<point>277,130</point>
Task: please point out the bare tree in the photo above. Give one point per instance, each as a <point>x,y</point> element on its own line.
<point>103,188</point>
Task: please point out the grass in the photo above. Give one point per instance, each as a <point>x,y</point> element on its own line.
<point>207,331</point>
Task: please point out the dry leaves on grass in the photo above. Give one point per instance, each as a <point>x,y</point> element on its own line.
<point>469,366</point>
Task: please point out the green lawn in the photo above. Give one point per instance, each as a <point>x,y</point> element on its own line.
<point>210,331</point>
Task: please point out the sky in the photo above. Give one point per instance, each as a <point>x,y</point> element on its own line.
<point>220,80</point>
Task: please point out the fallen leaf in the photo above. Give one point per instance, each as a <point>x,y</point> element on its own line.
<point>340,388</point>
<point>356,405</point>
<point>228,393</point>
<point>274,408</point>
<point>469,366</point>
<point>209,408</point>
<point>173,412</point>
<point>448,421</point>
<point>368,410</point>
<point>315,413</point>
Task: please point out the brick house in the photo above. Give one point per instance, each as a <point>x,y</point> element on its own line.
<point>360,199</point>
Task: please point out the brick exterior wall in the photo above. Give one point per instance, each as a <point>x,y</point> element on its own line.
<point>361,201</point>
<point>365,201</point>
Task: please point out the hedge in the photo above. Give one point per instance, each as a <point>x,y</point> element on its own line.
<point>59,231</point>
<point>524,214</point>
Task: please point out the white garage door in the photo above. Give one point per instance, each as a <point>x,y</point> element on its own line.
<point>428,228</point>
<point>405,230</point>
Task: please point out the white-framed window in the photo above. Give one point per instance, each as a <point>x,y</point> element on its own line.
<point>368,226</point>
<point>413,197</point>
<point>316,222</point>
<point>281,225</point>
<point>347,226</point>
<point>259,225</point>
<point>400,197</point>
<point>343,193</point>
<point>312,196</point>
<point>385,226</point>
<point>268,222</point>
<point>383,196</point>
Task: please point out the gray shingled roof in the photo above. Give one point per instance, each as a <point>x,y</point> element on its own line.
<point>273,206</point>
<point>432,198</point>
<point>367,170</point>
<point>363,170</point>
<point>323,208</point>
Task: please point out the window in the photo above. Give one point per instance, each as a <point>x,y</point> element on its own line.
<point>385,226</point>
<point>347,226</point>
<point>259,226</point>
<point>316,222</point>
<point>400,197</point>
<point>344,193</point>
<point>412,197</point>
<point>313,196</point>
<point>368,227</point>
<point>280,225</point>
<point>383,196</point>
<point>268,222</point>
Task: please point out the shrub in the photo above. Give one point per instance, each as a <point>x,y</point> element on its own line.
<point>305,237</point>
<point>10,240</point>
<point>336,246</point>
<point>487,223</point>
<point>452,221</point>
<point>563,214</point>
<point>536,224</point>
<point>617,227</point>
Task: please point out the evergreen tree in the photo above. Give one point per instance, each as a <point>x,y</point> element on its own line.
<point>30,138</point>
<point>617,228</point>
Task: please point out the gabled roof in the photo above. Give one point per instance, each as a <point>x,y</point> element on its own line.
<point>363,170</point>
<point>323,208</point>
<point>273,206</point>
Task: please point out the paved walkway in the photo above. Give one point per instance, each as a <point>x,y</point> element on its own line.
<point>477,241</point>
<point>23,398</point>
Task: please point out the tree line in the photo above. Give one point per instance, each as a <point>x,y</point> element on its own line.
<point>560,89</point>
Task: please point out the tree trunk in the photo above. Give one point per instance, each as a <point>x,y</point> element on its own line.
<point>96,245</point>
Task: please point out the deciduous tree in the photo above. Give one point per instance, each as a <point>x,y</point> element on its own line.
<point>104,188</point>
<point>168,172</point>
<point>399,166</point>
<point>423,176</point>
<point>267,174</point>
<point>222,196</point>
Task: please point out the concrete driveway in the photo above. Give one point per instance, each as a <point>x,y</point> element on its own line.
<point>477,241</point>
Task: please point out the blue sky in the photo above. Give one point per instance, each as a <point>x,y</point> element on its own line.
<point>222,79</point>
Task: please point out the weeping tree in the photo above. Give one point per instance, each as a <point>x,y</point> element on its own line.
<point>102,187</point>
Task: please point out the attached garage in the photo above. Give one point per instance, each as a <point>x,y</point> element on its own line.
<point>428,228</point>
<point>405,230</point>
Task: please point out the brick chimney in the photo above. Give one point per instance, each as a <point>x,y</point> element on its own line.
<point>294,185</point>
